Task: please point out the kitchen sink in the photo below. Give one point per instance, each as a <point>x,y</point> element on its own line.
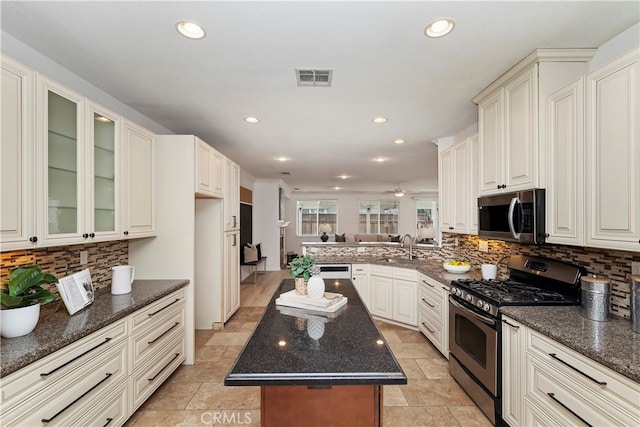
<point>400,261</point>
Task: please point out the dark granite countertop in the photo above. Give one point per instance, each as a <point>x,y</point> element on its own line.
<point>611,343</point>
<point>348,349</point>
<point>57,329</point>
<point>431,268</point>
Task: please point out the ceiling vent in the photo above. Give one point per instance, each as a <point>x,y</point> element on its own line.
<point>285,173</point>
<point>314,78</point>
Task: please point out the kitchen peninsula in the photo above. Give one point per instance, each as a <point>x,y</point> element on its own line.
<point>326,369</point>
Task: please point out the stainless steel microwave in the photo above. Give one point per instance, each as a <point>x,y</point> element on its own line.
<point>513,217</point>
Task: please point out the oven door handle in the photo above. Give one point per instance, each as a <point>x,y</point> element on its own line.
<point>512,207</point>
<point>475,315</point>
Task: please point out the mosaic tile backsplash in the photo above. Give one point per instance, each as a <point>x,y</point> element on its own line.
<point>64,260</point>
<point>616,265</point>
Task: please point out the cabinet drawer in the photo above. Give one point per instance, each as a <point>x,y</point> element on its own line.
<point>174,301</point>
<point>18,386</point>
<point>430,327</point>
<point>60,404</point>
<point>149,340</point>
<point>151,375</point>
<point>111,411</point>
<point>360,268</point>
<point>585,371</point>
<point>431,301</point>
<point>405,274</point>
<point>571,400</point>
<point>381,270</point>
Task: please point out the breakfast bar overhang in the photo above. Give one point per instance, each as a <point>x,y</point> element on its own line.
<point>318,368</point>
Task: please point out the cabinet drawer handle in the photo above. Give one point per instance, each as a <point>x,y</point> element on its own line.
<point>428,284</point>
<point>166,306</point>
<point>48,420</point>
<point>108,422</point>
<point>163,334</point>
<point>513,326</point>
<point>553,396</point>
<point>428,303</point>
<point>577,370</point>
<point>428,328</point>
<point>46,374</point>
<point>165,367</point>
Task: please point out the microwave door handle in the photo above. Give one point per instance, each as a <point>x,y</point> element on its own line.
<point>512,207</point>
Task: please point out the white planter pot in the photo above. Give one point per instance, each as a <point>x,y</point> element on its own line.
<point>17,322</point>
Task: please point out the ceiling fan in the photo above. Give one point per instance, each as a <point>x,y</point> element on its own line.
<point>398,192</point>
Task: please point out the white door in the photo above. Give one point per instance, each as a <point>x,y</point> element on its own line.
<point>461,194</point>
<point>446,189</point>
<point>231,281</point>
<point>490,137</point>
<point>405,305</point>
<point>381,296</point>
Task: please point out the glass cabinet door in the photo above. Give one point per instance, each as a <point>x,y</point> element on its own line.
<point>103,133</point>
<point>64,159</point>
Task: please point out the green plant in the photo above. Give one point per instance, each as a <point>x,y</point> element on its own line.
<point>302,266</point>
<point>24,287</point>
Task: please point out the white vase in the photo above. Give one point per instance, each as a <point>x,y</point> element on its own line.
<point>17,322</point>
<point>315,287</point>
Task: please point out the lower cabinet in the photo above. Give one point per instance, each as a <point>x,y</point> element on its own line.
<point>360,279</point>
<point>94,380</point>
<point>393,293</point>
<point>433,312</point>
<point>558,386</point>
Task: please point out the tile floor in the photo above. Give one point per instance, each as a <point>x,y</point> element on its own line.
<point>195,395</point>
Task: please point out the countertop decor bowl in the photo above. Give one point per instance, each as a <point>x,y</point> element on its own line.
<point>456,268</point>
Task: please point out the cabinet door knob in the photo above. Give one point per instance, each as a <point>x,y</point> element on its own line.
<point>92,235</point>
<point>85,235</point>
<point>126,233</point>
<point>33,239</point>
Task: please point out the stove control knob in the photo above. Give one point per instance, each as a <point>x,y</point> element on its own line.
<point>468,297</point>
<point>479,304</point>
<point>487,307</point>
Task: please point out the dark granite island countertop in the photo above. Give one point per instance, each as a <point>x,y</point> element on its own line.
<point>57,329</point>
<point>350,349</point>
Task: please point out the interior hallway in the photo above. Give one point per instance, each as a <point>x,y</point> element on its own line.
<point>195,395</point>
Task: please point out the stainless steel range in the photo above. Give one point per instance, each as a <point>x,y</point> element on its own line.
<point>474,321</point>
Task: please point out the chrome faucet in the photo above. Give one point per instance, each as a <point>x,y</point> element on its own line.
<point>410,244</point>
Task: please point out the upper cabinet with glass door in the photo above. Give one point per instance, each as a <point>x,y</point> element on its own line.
<point>103,221</point>
<point>61,149</point>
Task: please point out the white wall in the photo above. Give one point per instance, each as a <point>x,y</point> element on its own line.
<point>620,44</point>
<point>33,59</point>
<point>348,204</point>
<point>266,229</point>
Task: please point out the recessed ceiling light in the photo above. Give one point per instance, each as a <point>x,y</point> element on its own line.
<point>337,188</point>
<point>282,159</point>
<point>440,27</point>
<point>399,141</point>
<point>190,30</point>
<point>251,119</point>
<point>379,159</point>
<point>379,120</point>
<point>343,176</point>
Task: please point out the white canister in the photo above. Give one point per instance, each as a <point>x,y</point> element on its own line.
<point>489,271</point>
<point>122,279</point>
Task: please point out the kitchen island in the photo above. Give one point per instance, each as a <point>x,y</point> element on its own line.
<point>318,368</point>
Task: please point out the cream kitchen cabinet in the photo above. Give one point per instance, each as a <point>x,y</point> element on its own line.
<point>513,372</point>
<point>138,181</point>
<point>381,286</point>
<point>433,308</point>
<point>512,120</point>
<point>231,195</point>
<point>612,155</point>
<point>70,383</point>
<point>17,169</point>
<point>458,188</point>
<point>231,274</point>
<point>565,165</point>
<point>567,388</point>
<point>393,294</point>
<point>209,171</point>
<point>360,279</point>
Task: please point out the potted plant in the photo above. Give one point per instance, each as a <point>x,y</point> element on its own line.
<point>20,299</point>
<point>301,269</point>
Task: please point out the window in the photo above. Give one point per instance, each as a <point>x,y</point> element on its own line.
<point>313,213</point>
<point>427,219</point>
<point>378,217</point>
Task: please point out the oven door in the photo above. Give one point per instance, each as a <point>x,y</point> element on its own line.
<point>473,340</point>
